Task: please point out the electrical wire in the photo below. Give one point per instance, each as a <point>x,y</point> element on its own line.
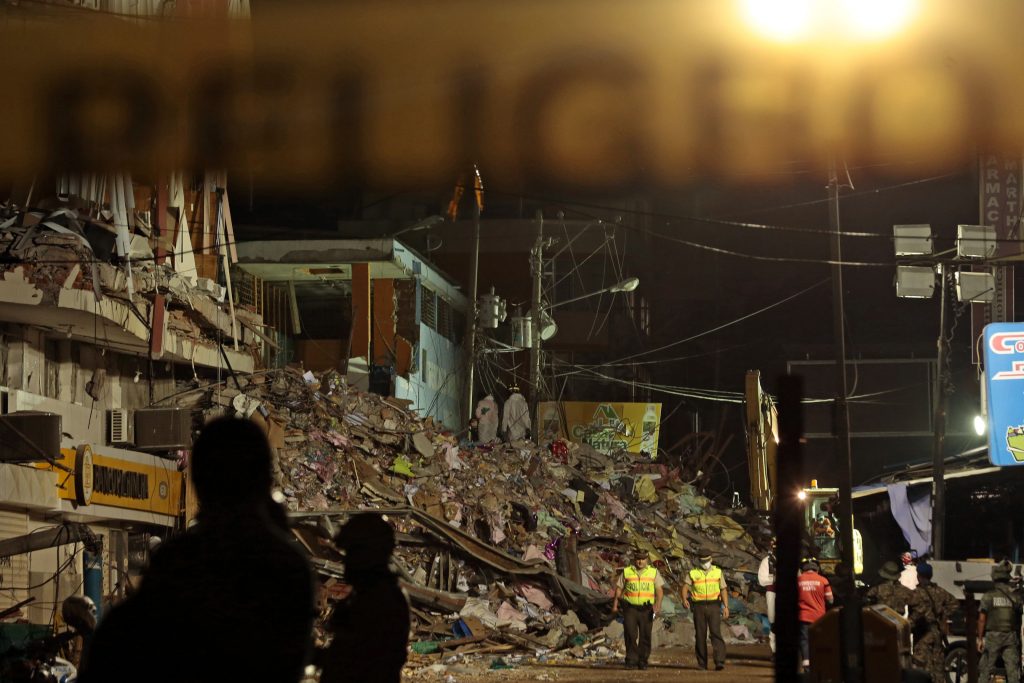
<point>723,325</point>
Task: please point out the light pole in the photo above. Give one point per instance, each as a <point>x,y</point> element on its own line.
<point>833,23</point>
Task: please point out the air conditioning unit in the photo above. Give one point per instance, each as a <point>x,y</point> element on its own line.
<point>163,429</point>
<point>121,428</point>
<point>30,436</point>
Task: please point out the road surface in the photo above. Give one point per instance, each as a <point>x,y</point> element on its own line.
<point>675,665</point>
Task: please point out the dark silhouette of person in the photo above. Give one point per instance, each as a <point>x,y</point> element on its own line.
<point>370,626</point>
<point>229,599</point>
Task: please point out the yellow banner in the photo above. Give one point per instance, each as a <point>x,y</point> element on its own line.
<point>126,484</point>
<point>606,427</point>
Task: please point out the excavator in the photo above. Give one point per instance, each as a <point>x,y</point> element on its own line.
<point>821,525</point>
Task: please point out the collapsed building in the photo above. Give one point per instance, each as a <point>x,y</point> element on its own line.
<point>130,317</point>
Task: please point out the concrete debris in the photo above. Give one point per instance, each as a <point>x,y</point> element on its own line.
<point>74,246</point>
<point>502,548</point>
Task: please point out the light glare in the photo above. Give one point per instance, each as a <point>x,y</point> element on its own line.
<point>802,495</point>
<point>979,425</point>
<point>877,18</point>
<point>780,19</point>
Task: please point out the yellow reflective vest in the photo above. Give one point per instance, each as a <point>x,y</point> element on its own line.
<point>638,588</point>
<point>707,585</point>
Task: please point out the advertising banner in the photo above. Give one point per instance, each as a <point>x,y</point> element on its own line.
<point>1004,385</point>
<point>606,427</point>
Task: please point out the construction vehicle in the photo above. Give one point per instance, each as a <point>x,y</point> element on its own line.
<point>822,528</point>
<point>820,504</point>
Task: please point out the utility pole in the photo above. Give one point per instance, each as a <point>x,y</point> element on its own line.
<point>938,462</point>
<point>537,270</point>
<point>850,625</point>
<point>474,268</point>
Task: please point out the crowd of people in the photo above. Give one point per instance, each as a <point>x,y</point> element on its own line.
<point>907,588</point>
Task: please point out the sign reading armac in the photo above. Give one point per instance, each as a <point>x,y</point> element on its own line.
<point>1004,384</point>
<point>592,93</point>
<point>123,483</point>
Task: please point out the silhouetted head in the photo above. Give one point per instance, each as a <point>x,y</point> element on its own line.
<point>231,466</point>
<point>367,541</point>
<point>924,571</point>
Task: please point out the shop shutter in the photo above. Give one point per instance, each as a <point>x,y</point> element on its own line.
<point>13,569</point>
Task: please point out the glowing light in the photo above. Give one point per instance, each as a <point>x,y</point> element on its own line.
<point>797,20</point>
<point>782,20</point>
<point>802,495</point>
<point>877,18</point>
<point>980,426</point>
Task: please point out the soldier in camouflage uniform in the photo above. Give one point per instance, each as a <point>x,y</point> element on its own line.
<point>999,627</point>
<point>890,592</point>
<point>931,607</point>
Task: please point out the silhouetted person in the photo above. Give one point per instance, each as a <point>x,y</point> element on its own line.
<point>370,626</point>
<point>231,598</point>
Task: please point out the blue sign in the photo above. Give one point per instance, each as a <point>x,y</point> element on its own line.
<point>1004,385</point>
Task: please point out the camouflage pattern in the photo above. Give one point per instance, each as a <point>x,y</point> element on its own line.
<point>892,594</point>
<point>930,608</point>
<point>998,643</point>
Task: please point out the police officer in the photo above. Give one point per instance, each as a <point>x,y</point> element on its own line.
<point>890,592</point>
<point>930,609</point>
<point>641,587</point>
<point>705,587</point>
<point>999,626</point>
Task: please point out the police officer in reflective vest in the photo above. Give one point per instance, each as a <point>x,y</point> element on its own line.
<point>705,588</point>
<point>641,587</point>
<point>999,627</point>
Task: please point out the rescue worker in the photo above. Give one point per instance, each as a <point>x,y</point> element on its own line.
<point>642,588</point>
<point>705,586</point>
<point>814,597</point>
<point>766,577</point>
<point>999,626</point>
<point>890,592</point>
<point>931,606</point>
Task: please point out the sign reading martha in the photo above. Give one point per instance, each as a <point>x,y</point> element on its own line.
<point>1004,384</point>
<point>606,427</point>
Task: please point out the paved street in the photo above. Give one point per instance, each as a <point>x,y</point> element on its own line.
<point>750,663</point>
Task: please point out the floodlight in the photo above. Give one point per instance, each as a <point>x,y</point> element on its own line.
<point>915,282</point>
<point>975,241</point>
<point>548,327</point>
<point>912,240</point>
<point>975,287</point>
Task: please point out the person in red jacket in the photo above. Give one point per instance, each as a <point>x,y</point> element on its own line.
<point>814,595</point>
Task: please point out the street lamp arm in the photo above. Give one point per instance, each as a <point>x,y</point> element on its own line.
<point>624,286</point>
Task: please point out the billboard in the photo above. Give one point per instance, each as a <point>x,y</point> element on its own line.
<point>1004,392</point>
<point>606,427</point>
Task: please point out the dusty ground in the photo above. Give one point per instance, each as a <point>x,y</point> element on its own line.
<point>744,663</point>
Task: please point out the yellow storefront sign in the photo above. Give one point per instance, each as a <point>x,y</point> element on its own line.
<point>606,427</point>
<point>123,483</point>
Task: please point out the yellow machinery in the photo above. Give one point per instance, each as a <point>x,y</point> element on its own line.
<point>822,527</point>
<point>886,646</point>
<point>762,438</point>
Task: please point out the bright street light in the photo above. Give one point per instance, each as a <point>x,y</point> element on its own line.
<point>626,285</point>
<point>980,426</point>
<point>796,20</point>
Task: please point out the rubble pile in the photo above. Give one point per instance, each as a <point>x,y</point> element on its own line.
<point>503,548</point>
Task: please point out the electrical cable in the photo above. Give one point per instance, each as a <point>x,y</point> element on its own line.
<point>724,325</point>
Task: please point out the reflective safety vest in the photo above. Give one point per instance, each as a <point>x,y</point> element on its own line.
<point>639,585</point>
<point>707,585</point>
